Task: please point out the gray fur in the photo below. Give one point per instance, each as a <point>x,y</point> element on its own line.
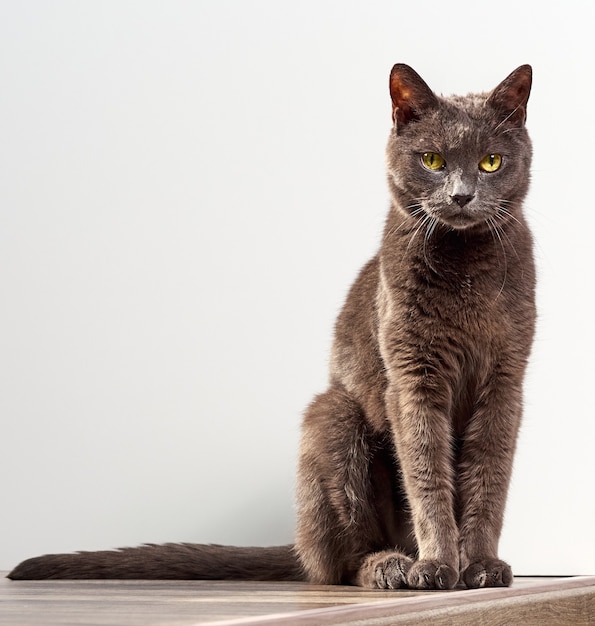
<point>405,460</point>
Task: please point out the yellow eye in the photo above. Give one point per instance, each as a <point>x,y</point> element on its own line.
<point>490,163</point>
<point>433,161</point>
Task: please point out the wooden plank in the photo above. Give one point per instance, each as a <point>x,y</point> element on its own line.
<point>563,602</point>
<point>228,603</point>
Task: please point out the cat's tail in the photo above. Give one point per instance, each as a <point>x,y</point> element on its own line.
<point>170,561</point>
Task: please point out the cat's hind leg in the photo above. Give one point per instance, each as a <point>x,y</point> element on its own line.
<point>347,514</point>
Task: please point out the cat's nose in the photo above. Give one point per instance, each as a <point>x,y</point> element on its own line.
<point>462,199</point>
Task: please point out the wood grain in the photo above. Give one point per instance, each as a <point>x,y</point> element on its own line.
<point>531,601</point>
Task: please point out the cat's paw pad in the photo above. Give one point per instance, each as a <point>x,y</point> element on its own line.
<point>385,570</point>
<point>431,575</point>
<point>487,573</point>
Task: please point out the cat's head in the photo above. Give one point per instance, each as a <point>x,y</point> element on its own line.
<point>461,161</point>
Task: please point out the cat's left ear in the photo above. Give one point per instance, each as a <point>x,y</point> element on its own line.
<point>410,94</point>
<point>511,95</point>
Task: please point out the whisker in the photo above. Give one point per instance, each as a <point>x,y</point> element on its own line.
<point>504,233</point>
<point>429,230</point>
<point>506,120</point>
<point>496,231</point>
<point>422,222</point>
<point>416,211</point>
<point>513,129</point>
<point>504,211</point>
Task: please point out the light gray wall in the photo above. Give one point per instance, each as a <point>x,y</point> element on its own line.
<point>187,190</point>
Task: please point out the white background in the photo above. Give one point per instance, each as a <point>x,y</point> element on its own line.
<point>187,190</point>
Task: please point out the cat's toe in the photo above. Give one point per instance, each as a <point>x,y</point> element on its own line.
<point>487,573</point>
<point>392,573</point>
<point>431,575</point>
<point>384,570</point>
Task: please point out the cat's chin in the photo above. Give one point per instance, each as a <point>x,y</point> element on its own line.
<point>462,221</point>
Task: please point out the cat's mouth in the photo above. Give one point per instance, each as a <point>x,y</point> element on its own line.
<point>460,218</point>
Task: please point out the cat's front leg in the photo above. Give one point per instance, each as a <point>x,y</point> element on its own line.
<point>422,435</point>
<point>483,477</point>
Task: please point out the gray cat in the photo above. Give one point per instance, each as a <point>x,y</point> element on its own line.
<point>405,460</point>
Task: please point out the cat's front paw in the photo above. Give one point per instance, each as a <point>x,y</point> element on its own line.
<point>431,575</point>
<point>487,573</point>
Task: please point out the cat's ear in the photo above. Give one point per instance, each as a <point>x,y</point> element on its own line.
<point>410,94</point>
<point>511,95</point>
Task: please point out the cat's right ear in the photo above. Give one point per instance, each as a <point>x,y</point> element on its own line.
<point>511,95</point>
<point>410,95</point>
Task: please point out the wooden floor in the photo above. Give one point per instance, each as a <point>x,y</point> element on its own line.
<point>530,601</point>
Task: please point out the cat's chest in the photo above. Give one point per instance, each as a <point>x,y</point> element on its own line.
<point>468,307</point>
<point>451,279</point>
<point>464,301</point>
